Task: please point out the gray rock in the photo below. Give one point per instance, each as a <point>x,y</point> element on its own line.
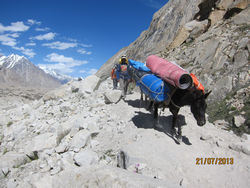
<point>242,18</point>
<point>112,96</point>
<point>94,143</point>
<point>205,54</point>
<point>216,16</point>
<point>86,158</point>
<point>241,58</point>
<point>80,140</point>
<point>206,137</point>
<point>221,123</point>
<point>240,147</point>
<point>41,142</point>
<point>55,94</point>
<point>238,120</point>
<point>13,160</point>
<point>243,43</point>
<point>89,84</point>
<point>55,170</point>
<point>196,27</point>
<point>63,147</point>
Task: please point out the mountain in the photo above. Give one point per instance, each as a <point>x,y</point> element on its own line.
<point>19,71</point>
<point>207,37</point>
<point>61,77</point>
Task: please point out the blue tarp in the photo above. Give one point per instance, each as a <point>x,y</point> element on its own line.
<point>154,87</point>
<point>139,65</point>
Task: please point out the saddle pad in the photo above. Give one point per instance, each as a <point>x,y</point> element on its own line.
<point>155,88</point>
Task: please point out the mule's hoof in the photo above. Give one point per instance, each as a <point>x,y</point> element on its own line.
<point>179,138</point>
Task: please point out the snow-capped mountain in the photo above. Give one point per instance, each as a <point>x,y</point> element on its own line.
<point>19,71</point>
<point>61,77</point>
<point>10,61</point>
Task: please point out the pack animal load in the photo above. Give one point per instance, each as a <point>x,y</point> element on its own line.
<point>151,85</point>
<point>170,72</point>
<point>137,69</point>
<point>155,88</point>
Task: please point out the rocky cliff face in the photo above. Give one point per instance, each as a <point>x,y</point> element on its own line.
<point>209,38</point>
<point>220,58</point>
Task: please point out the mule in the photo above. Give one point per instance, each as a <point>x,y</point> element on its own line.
<point>192,97</point>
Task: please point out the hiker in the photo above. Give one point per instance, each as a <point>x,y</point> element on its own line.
<point>114,77</point>
<point>122,74</point>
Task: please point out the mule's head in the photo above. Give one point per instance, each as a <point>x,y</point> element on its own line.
<point>198,106</point>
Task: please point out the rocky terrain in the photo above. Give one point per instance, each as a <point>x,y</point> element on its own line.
<point>77,135</point>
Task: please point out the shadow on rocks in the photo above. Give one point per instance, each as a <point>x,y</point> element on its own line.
<point>146,121</point>
<point>137,103</point>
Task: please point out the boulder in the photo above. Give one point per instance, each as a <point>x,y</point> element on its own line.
<point>89,84</point>
<point>13,160</point>
<point>112,96</point>
<point>243,43</point>
<point>224,4</point>
<point>80,140</point>
<point>238,120</point>
<point>240,147</point>
<point>216,16</point>
<point>241,4</point>
<point>242,18</point>
<point>191,29</point>
<point>41,142</point>
<point>182,35</point>
<point>86,158</point>
<point>55,94</point>
<point>241,58</point>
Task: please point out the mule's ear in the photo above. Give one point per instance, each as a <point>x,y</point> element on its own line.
<point>206,94</point>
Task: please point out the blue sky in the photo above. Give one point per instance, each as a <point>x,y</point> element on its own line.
<point>73,37</point>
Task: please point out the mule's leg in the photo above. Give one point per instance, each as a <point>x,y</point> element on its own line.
<point>156,117</point>
<point>175,112</point>
<point>149,107</point>
<point>141,98</point>
<point>146,100</point>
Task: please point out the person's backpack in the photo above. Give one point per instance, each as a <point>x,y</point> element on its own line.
<point>124,68</point>
<point>113,73</point>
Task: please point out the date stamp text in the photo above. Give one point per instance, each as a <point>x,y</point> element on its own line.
<point>214,161</point>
